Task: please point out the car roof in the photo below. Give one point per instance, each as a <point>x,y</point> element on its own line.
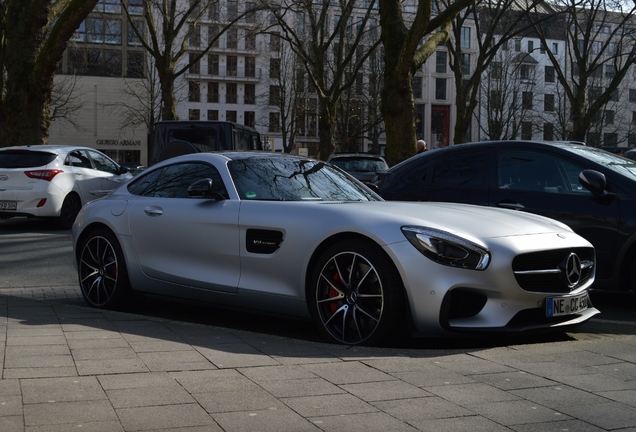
<point>51,147</point>
<point>362,155</point>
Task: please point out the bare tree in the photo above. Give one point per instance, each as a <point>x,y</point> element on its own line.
<point>404,53</point>
<point>494,24</point>
<point>66,100</point>
<point>504,97</point>
<point>332,53</point>
<point>173,30</point>
<point>33,37</point>
<point>600,36</point>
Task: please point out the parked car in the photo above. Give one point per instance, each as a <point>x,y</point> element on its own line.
<point>630,154</point>
<point>362,166</point>
<point>54,181</point>
<point>295,236</point>
<point>591,190</point>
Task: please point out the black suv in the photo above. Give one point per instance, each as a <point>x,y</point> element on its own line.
<point>591,190</point>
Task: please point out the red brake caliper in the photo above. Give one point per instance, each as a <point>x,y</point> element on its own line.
<point>333,293</point>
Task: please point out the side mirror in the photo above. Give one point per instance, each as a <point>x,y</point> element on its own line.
<point>123,169</point>
<point>203,189</point>
<point>594,181</point>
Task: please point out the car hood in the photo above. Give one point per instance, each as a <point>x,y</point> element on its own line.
<point>480,221</point>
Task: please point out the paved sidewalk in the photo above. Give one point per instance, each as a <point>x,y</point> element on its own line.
<point>66,367</point>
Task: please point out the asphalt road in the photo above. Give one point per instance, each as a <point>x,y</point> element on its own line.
<point>34,254</point>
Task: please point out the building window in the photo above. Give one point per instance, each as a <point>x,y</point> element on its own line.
<point>548,132</point>
<point>103,31</point>
<point>530,46</point>
<point>631,140</point>
<point>135,7</point>
<point>250,94</point>
<point>250,40</point>
<point>232,65</point>
<point>608,117</point>
<point>214,11</point>
<point>231,36</point>
<point>231,94</point>
<point>526,100</point>
<point>213,64</point>
<point>250,16</point>
<point>465,38</point>
<point>526,72</point>
<point>250,67</point>
<point>274,68</point>
<point>274,42</point>
<point>555,48</point>
<point>213,92</point>
<point>417,87</point>
<point>95,62</point>
<point>194,91</point>
<point>195,67</point>
<point>232,10</point>
<point>610,139</point>
<point>274,95</point>
<point>250,118</point>
<point>194,114</point>
<point>231,116</point>
<point>610,71</point>
<point>465,64</point>
<point>614,95</point>
<point>633,117</point>
<point>213,114</point>
<point>440,88</point>
<point>517,45</point>
<point>194,39</point>
<point>549,74</point>
<point>526,130</point>
<point>135,65</point>
<point>632,95</point>
<point>133,39</point>
<point>440,61</point>
<point>548,102</point>
<point>274,122</point>
<point>213,36</point>
<point>108,6</point>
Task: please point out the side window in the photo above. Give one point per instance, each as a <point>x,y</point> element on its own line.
<point>102,163</point>
<point>78,159</point>
<point>468,170</point>
<point>537,172</point>
<point>173,181</point>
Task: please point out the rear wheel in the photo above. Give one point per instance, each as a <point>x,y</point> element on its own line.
<point>356,295</point>
<point>103,276</point>
<point>70,208</point>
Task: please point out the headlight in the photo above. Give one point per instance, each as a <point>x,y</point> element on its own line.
<point>448,249</point>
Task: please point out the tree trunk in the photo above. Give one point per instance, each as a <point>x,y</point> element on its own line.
<point>398,111</point>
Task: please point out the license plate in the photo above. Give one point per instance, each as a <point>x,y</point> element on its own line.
<point>557,306</point>
<point>8,205</point>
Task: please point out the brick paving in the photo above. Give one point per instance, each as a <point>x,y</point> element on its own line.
<point>67,367</point>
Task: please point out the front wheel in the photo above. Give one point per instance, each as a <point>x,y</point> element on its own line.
<point>103,277</point>
<point>356,295</point>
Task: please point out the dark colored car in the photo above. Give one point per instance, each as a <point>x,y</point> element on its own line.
<point>630,154</point>
<point>591,190</point>
<point>362,166</point>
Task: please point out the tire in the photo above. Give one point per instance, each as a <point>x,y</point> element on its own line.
<point>103,276</point>
<point>70,208</point>
<point>356,295</point>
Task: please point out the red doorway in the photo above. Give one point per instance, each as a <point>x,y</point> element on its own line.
<point>440,126</point>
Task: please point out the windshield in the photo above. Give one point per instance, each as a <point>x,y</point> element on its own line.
<point>359,164</point>
<point>294,179</point>
<point>614,162</point>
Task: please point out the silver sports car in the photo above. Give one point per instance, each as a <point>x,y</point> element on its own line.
<point>296,236</point>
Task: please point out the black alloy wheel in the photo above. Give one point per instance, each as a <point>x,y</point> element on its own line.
<point>356,295</point>
<point>102,271</point>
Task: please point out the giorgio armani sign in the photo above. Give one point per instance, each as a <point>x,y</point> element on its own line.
<point>123,143</point>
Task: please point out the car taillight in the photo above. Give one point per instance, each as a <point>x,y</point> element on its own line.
<point>43,174</point>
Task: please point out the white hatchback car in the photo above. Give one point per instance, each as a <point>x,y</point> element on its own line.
<point>54,181</point>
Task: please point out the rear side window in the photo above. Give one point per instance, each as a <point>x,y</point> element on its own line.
<point>25,159</point>
<point>173,181</point>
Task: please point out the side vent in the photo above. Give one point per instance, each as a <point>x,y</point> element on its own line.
<point>263,241</point>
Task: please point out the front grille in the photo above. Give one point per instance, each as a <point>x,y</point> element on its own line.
<point>547,271</point>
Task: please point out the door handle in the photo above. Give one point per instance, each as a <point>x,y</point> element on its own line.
<point>510,205</point>
<point>153,211</point>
